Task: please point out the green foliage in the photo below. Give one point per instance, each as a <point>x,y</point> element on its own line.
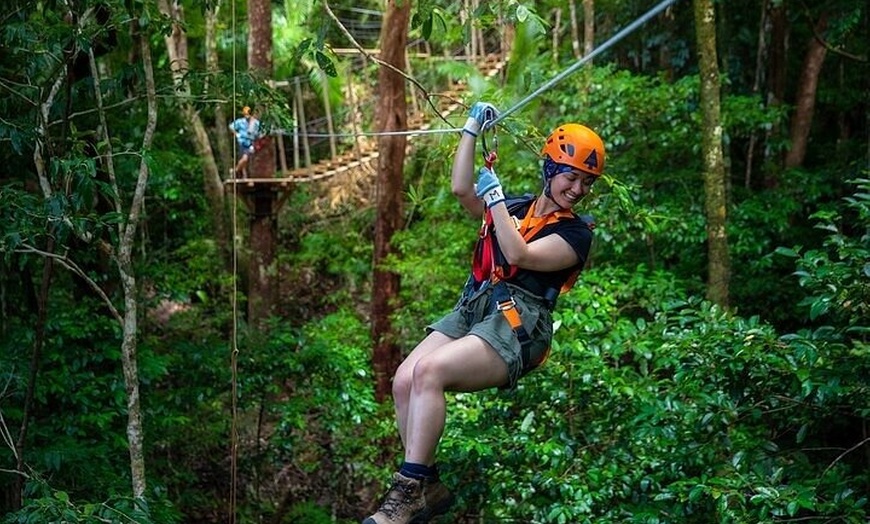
<point>837,275</point>
<point>760,223</point>
<point>678,412</point>
<point>45,504</point>
<point>309,394</point>
<point>77,418</point>
<point>309,512</point>
<point>339,252</point>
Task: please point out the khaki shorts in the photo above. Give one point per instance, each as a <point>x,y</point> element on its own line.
<point>476,315</point>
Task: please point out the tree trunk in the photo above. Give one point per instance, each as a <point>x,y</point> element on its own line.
<point>665,55</point>
<point>557,28</point>
<point>260,65</point>
<point>122,254</point>
<point>758,80</point>
<point>588,27</point>
<point>575,29</point>
<point>264,226</point>
<point>177,49</point>
<point>128,279</point>
<point>715,198</point>
<point>392,115</point>
<point>805,101</point>
<point>777,74</point>
<point>220,134</point>
<point>33,372</point>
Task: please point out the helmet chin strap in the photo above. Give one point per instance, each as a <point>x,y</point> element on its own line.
<point>549,170</point>
<point>547,191</point>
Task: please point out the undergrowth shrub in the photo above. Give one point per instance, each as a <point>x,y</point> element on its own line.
<point>678,413</point>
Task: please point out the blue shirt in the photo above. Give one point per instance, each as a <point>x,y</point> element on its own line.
<point>246,130</point>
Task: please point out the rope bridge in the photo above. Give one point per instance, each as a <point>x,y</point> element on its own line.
<point>363,153</point>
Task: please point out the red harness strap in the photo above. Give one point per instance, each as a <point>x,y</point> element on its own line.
<point>488,259</point>
<point>490,264</point>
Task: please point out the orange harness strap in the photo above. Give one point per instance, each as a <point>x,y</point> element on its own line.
<point>528,228</point>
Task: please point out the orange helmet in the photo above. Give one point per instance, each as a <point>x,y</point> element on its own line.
<point>577,146</point>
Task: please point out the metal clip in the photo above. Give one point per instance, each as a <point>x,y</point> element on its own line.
<point>489,156</point>
<point>507,304</point>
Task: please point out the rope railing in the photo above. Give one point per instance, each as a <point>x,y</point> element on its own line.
<point>310,134</point>
<point>425,130</point>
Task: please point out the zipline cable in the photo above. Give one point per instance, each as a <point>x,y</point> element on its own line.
<point>234,355</point>
<point>522,103</point>
<point>440,130</point>
<point>582,61</point>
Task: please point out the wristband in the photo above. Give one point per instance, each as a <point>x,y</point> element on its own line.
<point>493,196</point>
<point>472,127</point>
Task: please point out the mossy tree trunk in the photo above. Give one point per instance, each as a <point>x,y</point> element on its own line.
<point>392,115</point>
<point>715,194</point>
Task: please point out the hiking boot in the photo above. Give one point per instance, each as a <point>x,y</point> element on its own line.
<point>412,501</point>
<point>438,501</point>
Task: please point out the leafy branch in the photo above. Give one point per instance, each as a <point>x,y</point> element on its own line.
<point>428,96</point>
<point>70,265</point>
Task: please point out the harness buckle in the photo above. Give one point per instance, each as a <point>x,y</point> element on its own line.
<point>506,304</point>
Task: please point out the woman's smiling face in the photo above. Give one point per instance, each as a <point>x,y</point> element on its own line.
<point>570,187</point>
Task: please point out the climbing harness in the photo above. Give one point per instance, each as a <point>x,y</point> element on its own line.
<point>490,267</point>
<point>489,156</point>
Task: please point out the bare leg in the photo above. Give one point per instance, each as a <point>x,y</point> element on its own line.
<point>241,167</point>
<point>405,373</point>
<point>466,364</point>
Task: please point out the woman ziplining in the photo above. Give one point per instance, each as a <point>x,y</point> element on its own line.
<point>530,249</point>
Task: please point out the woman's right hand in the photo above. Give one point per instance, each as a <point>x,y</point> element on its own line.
<point>480,118</point>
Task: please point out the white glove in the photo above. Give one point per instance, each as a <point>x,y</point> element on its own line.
<point>480,114</point>
<point>489,187</point>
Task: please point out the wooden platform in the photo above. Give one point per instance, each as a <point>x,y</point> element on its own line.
<point>365,152</point>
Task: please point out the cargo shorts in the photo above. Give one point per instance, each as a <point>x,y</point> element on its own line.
<point>476,314</point>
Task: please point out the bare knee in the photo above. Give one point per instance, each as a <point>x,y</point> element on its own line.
<point>402,384</point>
<point>427,375</point>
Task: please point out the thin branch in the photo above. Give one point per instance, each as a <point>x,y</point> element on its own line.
<point>843,454</point>
<point>72,266</point>
<point>7,437</point>
<point>806,519</point>
<point>384,64</point>
<point>8,382</point>
<point>4,84</point>
<point>821,39</point>
<point>41,136</point>
<point>89,111</point>
<point>126,240</point>
<point>104,127</point>
<point>15,472</point>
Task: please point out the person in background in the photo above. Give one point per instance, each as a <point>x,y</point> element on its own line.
<point>246,129</point>
<point>530,249</point>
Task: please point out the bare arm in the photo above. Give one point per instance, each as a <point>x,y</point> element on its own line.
<point>462,176</point>
<point>550,253</point>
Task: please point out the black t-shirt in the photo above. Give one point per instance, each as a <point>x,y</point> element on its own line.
<point>578,235</point>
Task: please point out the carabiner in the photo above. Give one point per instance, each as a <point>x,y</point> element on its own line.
<point>489,157</point>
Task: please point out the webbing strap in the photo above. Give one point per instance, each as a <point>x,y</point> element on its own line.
<point>528,228</point>
<point>531,225</point>
<point>508,307</point>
